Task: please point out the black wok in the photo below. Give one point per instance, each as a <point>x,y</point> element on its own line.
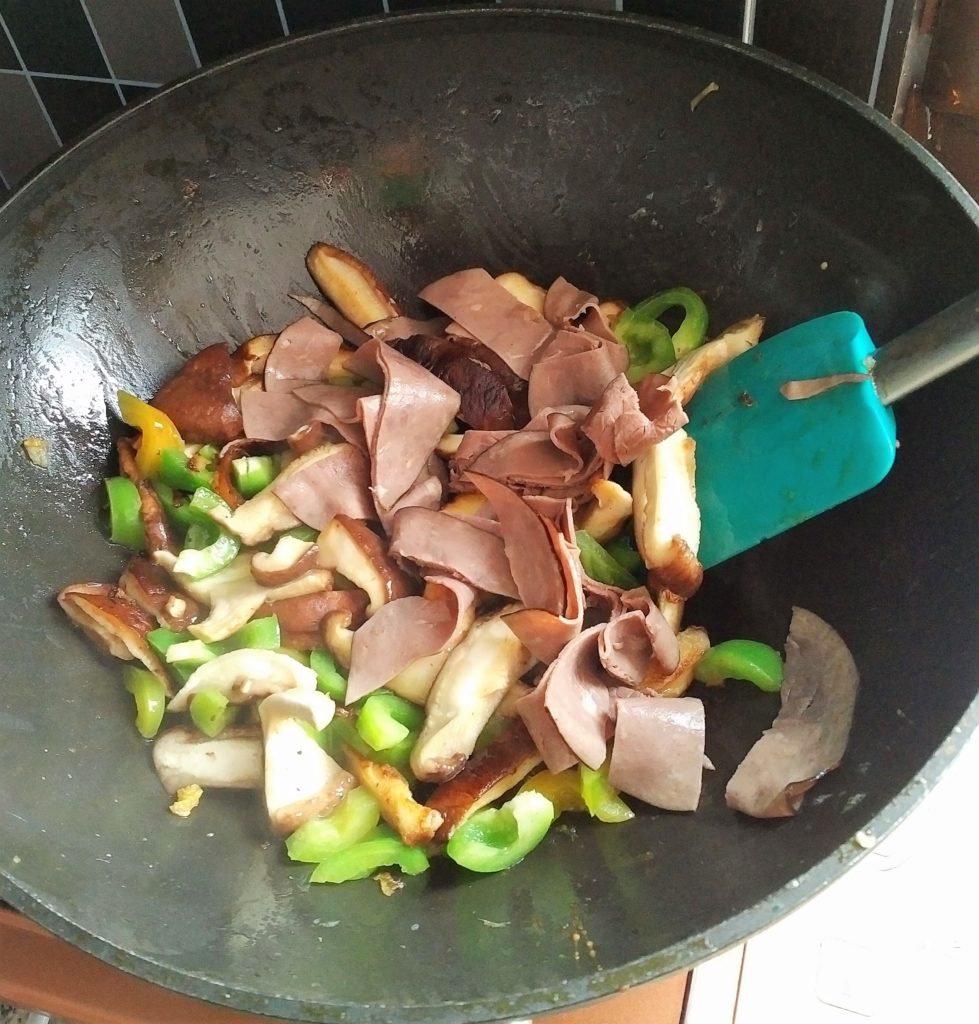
<point>555,144</point>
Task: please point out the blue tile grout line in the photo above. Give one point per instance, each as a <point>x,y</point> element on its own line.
<point>30,81</point>
<point>282,17</point>
<point>23,73</point>
<point>186,28</point>
<point>105,56</point>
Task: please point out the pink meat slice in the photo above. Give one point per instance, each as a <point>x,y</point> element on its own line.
<point>402,631</point>
<point>809,736</point>
<point>636,635</point>
<point>404,427</point>
<point>398,328</point>
<point>338,482</point>
<point>556,753</point>
<point>621,428</point>
<point>453,547</point>
<point>658,749</point>
<point>272,416</point>
<point>487,311</point>
<point>574,369</point>
<point>301,353</point>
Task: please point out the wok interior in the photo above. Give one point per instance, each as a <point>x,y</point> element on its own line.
<point>414,144</point>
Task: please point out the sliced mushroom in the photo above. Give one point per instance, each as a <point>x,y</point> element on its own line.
<point>152,588</point>
<point>672,608</point>
<point>338,635</point>
<point>609,512</point>
<point>667,519</point>
<point>333,319</point>
<point>692,370</point>
<point>414,822</point>
<point>115,624</point>
<point>449,445</point>
<point>302,781</point>
<point>252,354</point>
<point>244,676</point>
<point>159,534</point>
<point>488,775</point>
<point>234,595</point>
<point>522,288</point>
<point>612,309</point>
<point>305,614</point>
<point>467,691</point>
<point>473,504</point>
<point>182,756</point>
<point>350,285</point>
<point>291,557</point>
<point>694,643</point>
<point>351,548</point>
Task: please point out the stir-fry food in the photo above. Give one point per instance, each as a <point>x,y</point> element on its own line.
<point>423,582</point>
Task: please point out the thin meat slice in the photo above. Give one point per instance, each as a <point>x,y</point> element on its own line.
<point>332,317</point>
<point>403,631</point>
<point>396,328</point>
<point>574,369</point>
<point>301,353</point>
<point>337,406</point>
<point>636,635</point>
<point>658,749</point>
<point>330,480</point>
<point>453,547</point>
<point>550,743</point>
<point>272,416</point>
<point>621,426</point>
<point>564,302</point>
<point>407,423</point>
<point>810,733</point>
<point>487,311</point>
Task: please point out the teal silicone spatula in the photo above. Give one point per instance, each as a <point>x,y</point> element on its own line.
<point>766,462</point>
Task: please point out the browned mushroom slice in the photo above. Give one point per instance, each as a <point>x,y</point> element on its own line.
<point>495,770</point>
<point>199,399</point>
<point>694,643</point>
<point>305,614</point>
<point>350,285</point>
<point>159,534</point>
<point>692,370</point>
<point>115,624</point>
<point>250,356</point>
<point>152,588</point>
<point>414,822</point>
<point>338,636</point>
<point>351,548</point>
<point>290,558</point>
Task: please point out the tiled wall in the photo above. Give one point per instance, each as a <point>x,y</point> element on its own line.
<point>67,64</point>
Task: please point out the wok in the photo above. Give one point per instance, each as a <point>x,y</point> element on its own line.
<point>556,144</point>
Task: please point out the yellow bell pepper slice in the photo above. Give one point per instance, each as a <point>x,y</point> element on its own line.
<point>563,789</point>
<point>157,431</point>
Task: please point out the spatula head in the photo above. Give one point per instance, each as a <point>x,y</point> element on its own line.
<point>765,463</point>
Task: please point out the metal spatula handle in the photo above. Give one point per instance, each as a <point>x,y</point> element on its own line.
<point>928,351</point>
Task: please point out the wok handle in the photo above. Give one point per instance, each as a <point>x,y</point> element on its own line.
<point>928,351</point>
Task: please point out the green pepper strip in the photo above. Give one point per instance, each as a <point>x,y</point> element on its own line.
<point>150,696</point>
<point>189,654</point>
<point>749,660</point>
<point>601,798</point>
<point>385,720</point>
<point>623,550</point>
<point>259,634</point>
<point>692,332</point>
<point>253,473</point>
<point>176,470</point>
<point>329,678</point>
<point>305,533</point>
<point>125,515</point>
<point>161,640</point>
<point>198,563</point>
<point>651,348</point>
<point>497,838</point>
<point>600,565</point>
<point>354,817</point>
<point>380,848</point>
<point>211,711</point>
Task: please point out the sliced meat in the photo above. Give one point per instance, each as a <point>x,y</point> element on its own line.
<point>658,749</point>
<point>302,353</point>
<point>487,311</point>
<point>272,417</point>
<point>397,328</point>
<point>622,425</point>
<point>406,424</point>
<point>556,753</point>
<point>398,634</point>
<point>332,317</point>
<point>635,636</point>
<point>337,406</point>
<point>564,303</point>
<point>574,369</point>
<point>453,547</point>
<point>810,733</point>
<point>328,481</point>
<point>199,399</point>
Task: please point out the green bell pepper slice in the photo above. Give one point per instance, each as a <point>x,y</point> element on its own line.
<point>189,654</point>
<point>221,547</point>
<point>623,549</point>
<point>378,849</point>
<point>749,660</point>
<point>161,640</point>
<point>497,838</point>
<point>601,798</point>
<point>253,473</point>
<point>211,711</point>
<point>150,696</point>
<point>125,513</point>
<point>357,814</point>
<point>385,720</point>
<point>600,565</point>
<point>651,347</point>
<point>258,635</point>
<point>329,678</point>
<point>183,474</point>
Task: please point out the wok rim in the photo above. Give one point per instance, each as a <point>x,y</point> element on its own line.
<point>684,955</point>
